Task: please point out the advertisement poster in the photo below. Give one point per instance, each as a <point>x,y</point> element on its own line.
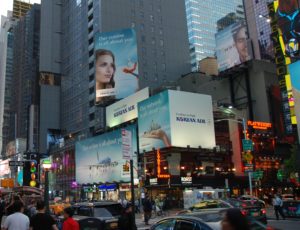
<point>192,120</point>
<point>126,144</point>
<point>176,118</point>
<point>288,23</point>
<point>232,46</point>
<point>294,70</point>
<point>154,122</point>
<point>126,109</point>
<point>99,159</point>
<point>116,65</point>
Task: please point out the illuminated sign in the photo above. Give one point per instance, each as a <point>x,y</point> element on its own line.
<point>153,181</point>
<point>259,125</point>
<point>186,180</point>
<point>158,160</point>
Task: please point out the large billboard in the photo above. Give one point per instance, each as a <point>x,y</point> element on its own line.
<point>294,70</point>
<point>126,109</point>
<point>233,46</point>
<point>116,65</point>
<point>176,118</point>
<point>99,159</point>
<point>285,37</point>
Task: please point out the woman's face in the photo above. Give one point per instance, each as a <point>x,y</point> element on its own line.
<point>241,44</point>
<point>104,68</point>
<point>226,224</point>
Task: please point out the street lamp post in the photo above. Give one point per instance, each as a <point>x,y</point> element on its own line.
<point>46,166</point>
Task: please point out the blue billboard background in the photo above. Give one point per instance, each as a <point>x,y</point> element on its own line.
<point>99,159</point>
<point>154,122</point>
<point>123,45</point>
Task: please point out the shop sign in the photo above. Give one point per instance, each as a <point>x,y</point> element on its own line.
<point>259,125</point>
<point>186,180</point>
<point>153,181</point>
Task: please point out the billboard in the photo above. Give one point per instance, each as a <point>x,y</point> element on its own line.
<point>116,65</point>
<point>176,118</point>
<point>232,46</point>
<point>285,37</point>
<point>294,70</point>
<point>126,109</point>
<point>99,159</point>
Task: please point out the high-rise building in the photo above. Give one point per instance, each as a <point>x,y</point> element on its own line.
<point>202,21</point>
<point>25,69</point>
<point>6,81</point>
<point>162,50</point>
<point>20,8</point>
<point>259,28</point>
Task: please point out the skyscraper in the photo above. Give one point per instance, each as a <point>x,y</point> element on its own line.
<point>162,50</point>
<point>202,21</point>
<point>6,80</point>
<point>259,28</point>
<point>25,68</point>
<point>20,8</point>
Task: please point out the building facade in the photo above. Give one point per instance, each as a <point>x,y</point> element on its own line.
<point>6,82</point>
<point>259,28</point>
<point>25,70</point>
<point>202,21</point>
<point>20,8</point>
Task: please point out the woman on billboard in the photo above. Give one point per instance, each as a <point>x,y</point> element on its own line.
<point>105,71</point>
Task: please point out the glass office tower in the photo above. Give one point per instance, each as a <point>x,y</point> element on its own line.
<point>202,18</point>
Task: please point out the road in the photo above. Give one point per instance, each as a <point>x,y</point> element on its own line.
<point>285,224</point>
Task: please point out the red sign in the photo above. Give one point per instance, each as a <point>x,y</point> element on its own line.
<point>259,125</point>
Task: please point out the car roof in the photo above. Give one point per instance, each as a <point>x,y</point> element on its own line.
<point>98,203</point>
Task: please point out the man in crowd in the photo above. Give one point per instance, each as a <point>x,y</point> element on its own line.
<point>17,220</point>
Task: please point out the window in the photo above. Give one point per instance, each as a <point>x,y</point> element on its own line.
<point>185,225</point>
<point>165,225</point>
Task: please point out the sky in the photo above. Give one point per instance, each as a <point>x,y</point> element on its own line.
<point>6,5</point>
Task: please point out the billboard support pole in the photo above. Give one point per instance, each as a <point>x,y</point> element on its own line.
<point>132,195</point>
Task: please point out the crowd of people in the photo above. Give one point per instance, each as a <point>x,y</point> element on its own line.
<point>15,215</point>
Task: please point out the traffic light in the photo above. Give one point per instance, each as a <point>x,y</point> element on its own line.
<point>30,173</point>
<point>280,175</point>
<point>33,173</point>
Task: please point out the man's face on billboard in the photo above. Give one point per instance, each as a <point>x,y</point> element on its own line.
<point>104,69</point>
<point>241,44</point>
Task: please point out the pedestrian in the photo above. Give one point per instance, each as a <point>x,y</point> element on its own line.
<point>41,220</point>
<point>147,209</point>
<point>137,206</point>
<point>69,222</point>
<point>10,208</point>
<point>278,203</point>
<point>234,220</point>
<point>126,221</point>
<point>31,210</point>
<point>17,221</point>
<point>2,208</point>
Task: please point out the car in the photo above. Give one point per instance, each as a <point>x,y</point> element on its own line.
<point>104,214</point>
<point>288,197</point>
<point>214,218</point>
<point>209,204</point>
<point>183,222</point>
<point>253,209</point>
<point>248,197</point>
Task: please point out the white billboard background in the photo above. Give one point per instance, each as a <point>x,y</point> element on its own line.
<point>192,122</point>
<point>126,109</point>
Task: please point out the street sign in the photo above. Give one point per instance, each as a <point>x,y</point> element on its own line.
<point>126,144</point>
<point>16,163</point>
<point>247,145</point>
<point>248,167</point>
<point>258,175</point>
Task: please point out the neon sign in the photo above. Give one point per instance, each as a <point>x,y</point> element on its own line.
<point>259,125</point>
<point>158,160</point>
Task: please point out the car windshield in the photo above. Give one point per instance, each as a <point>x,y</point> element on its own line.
<point>209,217</point>
<point>101,212</point>
<point>84,211</point>
<point>210,204</point>
<point>114,210</point>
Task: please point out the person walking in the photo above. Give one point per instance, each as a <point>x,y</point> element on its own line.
<point>278,203</point>
<point>17,220</point>
<point>126,221</point>
<point>41,220</point>
<point>234,220</point>
<point>147,209</point>
<point>69,223</point>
